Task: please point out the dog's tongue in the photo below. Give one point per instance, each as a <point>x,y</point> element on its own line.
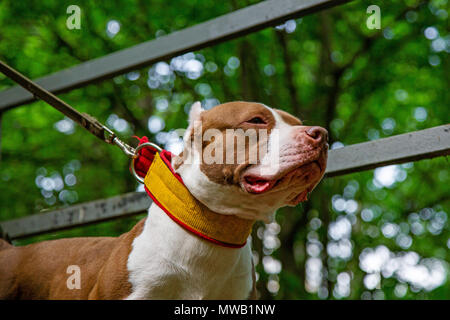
<point>257,185</point>
<point>261,186</point>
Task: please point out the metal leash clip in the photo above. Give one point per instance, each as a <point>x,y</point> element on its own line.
<point>129,151</point>
<point>135,155</point>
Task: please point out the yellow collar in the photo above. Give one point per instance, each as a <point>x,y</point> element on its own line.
<point>172,196</point>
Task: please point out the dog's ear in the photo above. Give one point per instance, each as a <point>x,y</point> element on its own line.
<point>194,120</point>
<point>195,112</point>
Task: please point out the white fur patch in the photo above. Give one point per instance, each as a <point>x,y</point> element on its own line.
<point>281,135</point>
<point>169,262</point>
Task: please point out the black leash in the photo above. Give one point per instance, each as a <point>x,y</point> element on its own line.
<point>83,119</point>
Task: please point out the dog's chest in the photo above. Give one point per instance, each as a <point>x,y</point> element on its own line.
<point>168,262</point>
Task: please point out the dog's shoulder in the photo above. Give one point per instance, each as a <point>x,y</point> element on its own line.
<point>113,279</point>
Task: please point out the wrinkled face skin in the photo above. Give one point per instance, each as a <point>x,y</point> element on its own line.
<point>277,167</point>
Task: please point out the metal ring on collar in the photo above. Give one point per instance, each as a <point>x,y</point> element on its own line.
<point>146,144</point>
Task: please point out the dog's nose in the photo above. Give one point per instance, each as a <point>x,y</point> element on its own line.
<point>319,134</point>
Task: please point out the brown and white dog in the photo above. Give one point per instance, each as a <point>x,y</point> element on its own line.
<point>158,259</point>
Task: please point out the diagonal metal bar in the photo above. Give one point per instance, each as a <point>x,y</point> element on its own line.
<point>226,27</point>
<point>413,146</point>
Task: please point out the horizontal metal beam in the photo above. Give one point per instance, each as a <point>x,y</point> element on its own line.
<point>402,148</point>
<point>78,215</point>
<point>413,146</point>
<point>226,27</point>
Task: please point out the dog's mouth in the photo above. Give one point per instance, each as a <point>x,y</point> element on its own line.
<point>257,184</point>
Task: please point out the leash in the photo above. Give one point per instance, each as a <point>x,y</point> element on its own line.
<point>151,166</point>
<point>83,119</point>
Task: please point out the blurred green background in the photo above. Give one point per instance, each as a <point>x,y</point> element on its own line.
<point>379,234</point>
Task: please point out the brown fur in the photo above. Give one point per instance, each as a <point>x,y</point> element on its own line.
<point>39,271</point>
<point>289,118</point>
<point>233,115</point>
<point>4,245</point>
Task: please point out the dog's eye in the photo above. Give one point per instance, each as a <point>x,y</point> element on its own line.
<point>256,120</point>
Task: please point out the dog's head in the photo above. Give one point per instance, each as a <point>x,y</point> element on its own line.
<point>247,159</point>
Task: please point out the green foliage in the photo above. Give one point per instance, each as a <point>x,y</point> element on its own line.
<point>332,71</point>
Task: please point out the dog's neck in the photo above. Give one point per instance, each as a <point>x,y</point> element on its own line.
<point>189,267</point>
<point>171,195</point>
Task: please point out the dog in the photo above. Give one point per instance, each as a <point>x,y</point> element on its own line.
<point>161,259</point>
